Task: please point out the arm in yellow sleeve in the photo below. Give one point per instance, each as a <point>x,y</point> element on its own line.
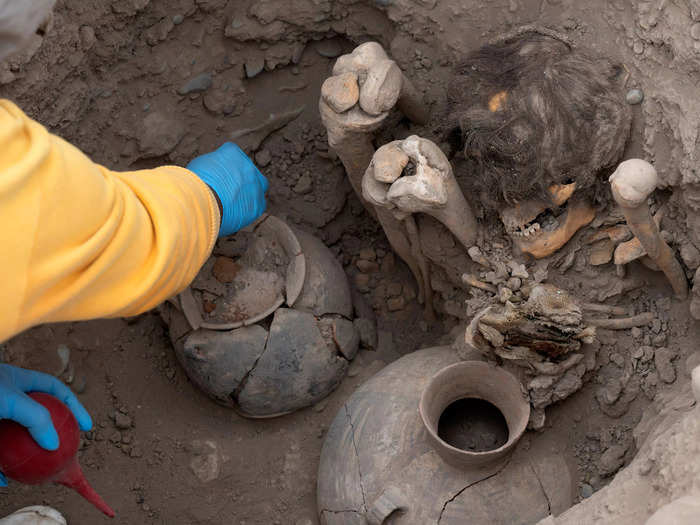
<point>78,241</point>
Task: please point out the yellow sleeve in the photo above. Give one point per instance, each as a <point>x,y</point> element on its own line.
<point>78,241</point>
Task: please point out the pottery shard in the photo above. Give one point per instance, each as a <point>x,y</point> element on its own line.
<point>341,92</point>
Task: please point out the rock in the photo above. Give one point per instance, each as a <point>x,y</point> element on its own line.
<point>225,269</point>
<point>263,158</point>
<point>367,266</point>
<point>612,460</point>
<point>206,463</point>
<point>504,294</point>
<point>634,96</point>
<point>586,491</point>
<point>362,282</point>
<point>122,421</point>
<point>656,325</point>
<point>664,366</point>
<point>304,185</point>
<point>198,84</point>
<point>389,262</point>
<point>617,359</point>
<point>690,255</point>
<point>659,340</point>
<point>178,19</point>
<point>514,283</point>
<point>329,48</point>
<point>636,332</point>
<point>87,37</point>
<point>254,65</point>
<point>611,392</point>
<point>161,134</point>
<point>116,437</point>
<point>368,254</point>
<point>396,303</point>
<point>367,330</point>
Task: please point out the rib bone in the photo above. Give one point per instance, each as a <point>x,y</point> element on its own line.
<point>632,183</point>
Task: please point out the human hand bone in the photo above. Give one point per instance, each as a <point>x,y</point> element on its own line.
<point>432,189</point>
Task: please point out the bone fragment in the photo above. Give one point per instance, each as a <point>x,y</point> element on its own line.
<point>250,139</point>
<point>622,324</point>
<point>478,257</point>
<point>604,309</point>
<point>476,283</point>
<point>632,183</point>
<point>432,190</point>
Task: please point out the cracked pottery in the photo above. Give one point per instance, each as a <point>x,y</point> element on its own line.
<point>290,342</point>
<point>380,465</point>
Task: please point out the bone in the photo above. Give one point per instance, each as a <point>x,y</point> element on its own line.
<point>433,190</point>
<point>632,183</point>
<point>476,283</point>
<point>622,324</point>
<point>604,309</point>
<point>632,249</point>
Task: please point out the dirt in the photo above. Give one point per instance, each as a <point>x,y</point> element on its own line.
<point>140,83</point>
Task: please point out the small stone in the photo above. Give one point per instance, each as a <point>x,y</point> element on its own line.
<point>664,366</point>
<point>178,19</point>
<point>87,37</point>
<point>634,96</point>
<point>116,437</point>
<point>586,491</point>
<point>611,392</point>
<point>695,31</point>
<point>368,332</point>
<point>368,254</point>
<point>394,289</point>
<point>690,255</point>
<point>225,269</point>
<point>79,383</point>
<point>362,282</point>
<point>617,359</point>
<point>637,352</point>
<point>656,325</point>
<point>254,66</point>
<point>659,340</point>
<point>396,303</point>
<point>388,263</point>
<point>122,421</point>
<point>648,354</point>
<point>198,84</point>
<point>161,133</point>
<point>304,185</point>
<point>636,332</point>
<point>612,459</point>
<point>367,266</point>
<point>263,158</point>
<point>127,439</point>
<point>504,294</point>
<point>329,48</point>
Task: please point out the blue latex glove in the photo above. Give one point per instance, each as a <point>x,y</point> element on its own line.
<point>19,407</point>
<point>237,182</point>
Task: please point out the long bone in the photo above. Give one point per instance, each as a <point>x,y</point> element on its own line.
<point>632,183</point>
<point>433,188</point>
<point>354,102</point>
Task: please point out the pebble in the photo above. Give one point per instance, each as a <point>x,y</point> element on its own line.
<point>611,392</point>
<point>586,491</point>
<point>638,47</point>
<point>122,421</point>
<point>198,84</point>
<point>636,332</point>
<point>368,254</point>
<point>394,289</point>
<point>695,31</point>
<point>367,266</point>
<point>178,19</point>
<point>656,325</point>
<point>388,263</point>
<point>690,255</point>
<point>664,366</point>
<point>329,48</point>
<point>617,359</point>
<point>518,270</point>
<point>634,96</point>
<point>648,354</point>
<point>504,294</point>
<point>659,340</point>
<point>514,283</point>
<point>362,282</point>
<point>254,66</point>
<point>304,185</point>
<point>396,303</point>
<point>263,158</point>
<point>116,437</point>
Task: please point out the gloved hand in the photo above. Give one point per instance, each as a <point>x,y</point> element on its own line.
<point>236,181</point>
<point>19,407</point>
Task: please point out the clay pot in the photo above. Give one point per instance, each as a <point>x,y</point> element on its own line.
<point>379,464</point>
<point>474,380</point>
<point>291,353</point>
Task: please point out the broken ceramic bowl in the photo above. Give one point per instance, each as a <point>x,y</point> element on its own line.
<point>379,465</point>
<point>269,330</point>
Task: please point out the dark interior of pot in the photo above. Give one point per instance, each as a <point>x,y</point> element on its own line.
<point>474,425</point>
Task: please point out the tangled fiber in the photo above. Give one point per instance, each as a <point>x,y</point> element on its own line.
<point>531,111</point>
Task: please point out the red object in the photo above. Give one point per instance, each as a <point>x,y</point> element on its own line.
<point>23,460</point>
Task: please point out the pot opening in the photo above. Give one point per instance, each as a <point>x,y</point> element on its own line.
<point>473,425</point>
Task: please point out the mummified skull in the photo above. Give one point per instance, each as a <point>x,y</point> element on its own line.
<point>535,122</point>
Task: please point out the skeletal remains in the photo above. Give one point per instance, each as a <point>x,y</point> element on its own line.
<point>529,144</point>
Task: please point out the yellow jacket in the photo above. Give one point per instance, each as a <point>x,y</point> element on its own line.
<point>78,241</point>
